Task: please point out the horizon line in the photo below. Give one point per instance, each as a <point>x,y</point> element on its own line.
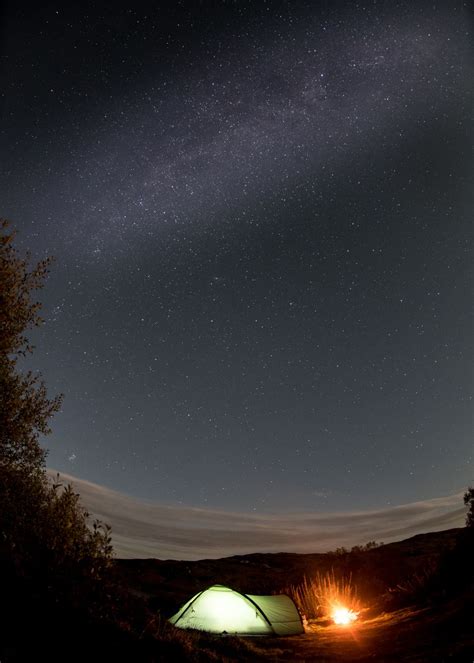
<point>145,529</point>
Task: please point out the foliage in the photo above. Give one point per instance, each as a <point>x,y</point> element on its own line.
<point>47,546</point>
<point>469,502</point>
<point>43,526</point>
<point>370,545</point>
<point>25,409</point>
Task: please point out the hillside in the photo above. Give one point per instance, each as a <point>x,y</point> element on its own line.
<point>168,583</point>
<point>432,625</point>
<point>428,617</point>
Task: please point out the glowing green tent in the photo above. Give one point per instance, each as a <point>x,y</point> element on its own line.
<point>220,609</point>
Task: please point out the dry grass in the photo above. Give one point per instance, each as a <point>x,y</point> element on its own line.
<point>317,597</point>
<point>180,645</point>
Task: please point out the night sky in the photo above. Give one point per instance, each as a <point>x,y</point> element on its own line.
<point>261,219</point>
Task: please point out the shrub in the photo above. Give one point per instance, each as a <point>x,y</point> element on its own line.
<point>469,502</point>
<point>50,554</point>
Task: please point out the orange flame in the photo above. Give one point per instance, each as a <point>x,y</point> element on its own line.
<point>343,616</point>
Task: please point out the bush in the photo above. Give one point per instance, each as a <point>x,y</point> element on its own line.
<point>43,526</point>
<point>51,556</point>
<point>469,502</point>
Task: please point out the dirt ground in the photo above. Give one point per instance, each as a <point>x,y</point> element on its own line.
<point>405,635</point>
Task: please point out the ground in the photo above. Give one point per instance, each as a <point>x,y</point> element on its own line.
<point>414,636</point>
<point>432,629</point>
<point>417,606</point>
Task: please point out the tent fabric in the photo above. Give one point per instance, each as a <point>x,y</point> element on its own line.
<point>281,612</point>
<point>220,609</point>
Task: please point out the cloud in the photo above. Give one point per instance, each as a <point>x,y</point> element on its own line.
<point>144,529</point>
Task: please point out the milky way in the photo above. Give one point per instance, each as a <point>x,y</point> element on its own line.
<point>259,116</point>
<point>261,224</point>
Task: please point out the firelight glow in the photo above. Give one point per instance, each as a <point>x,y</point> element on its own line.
<point>344,616</point>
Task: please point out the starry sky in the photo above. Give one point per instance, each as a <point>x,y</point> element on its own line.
<point>261,219</point>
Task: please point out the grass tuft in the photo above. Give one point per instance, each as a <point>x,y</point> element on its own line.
<point>317,597</point>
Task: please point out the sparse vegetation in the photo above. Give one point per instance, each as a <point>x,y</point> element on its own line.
<point>469,502</point>
<point>25,409</point>
<point>370,545</point>
<point>52,559</point>
<point>318,596</point>
<point>42,524</point>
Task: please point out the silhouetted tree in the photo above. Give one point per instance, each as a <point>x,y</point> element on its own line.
<point>24,406</point>
<point>44,531</point>
<point>469,502</point>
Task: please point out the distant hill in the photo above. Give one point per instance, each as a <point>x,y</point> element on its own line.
<point>168,583</point>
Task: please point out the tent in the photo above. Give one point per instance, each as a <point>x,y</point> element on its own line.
<point>220,609</point>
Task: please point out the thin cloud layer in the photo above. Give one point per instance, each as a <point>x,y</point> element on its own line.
<point>143,529</point>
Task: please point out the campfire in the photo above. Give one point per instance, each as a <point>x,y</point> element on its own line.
<point>343,616</point>
<point>328,596</point>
